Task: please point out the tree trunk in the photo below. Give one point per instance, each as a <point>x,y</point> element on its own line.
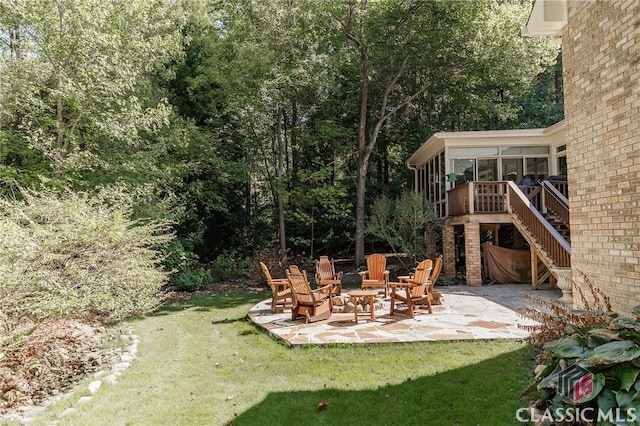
<point>363,157</point>
<point>14,44</point>
<point>279,176</point>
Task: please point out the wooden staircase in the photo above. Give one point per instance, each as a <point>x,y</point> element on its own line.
<point>559,225</point>
<point>547,232</point>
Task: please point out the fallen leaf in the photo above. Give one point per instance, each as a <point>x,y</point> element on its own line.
<point>322,405</point>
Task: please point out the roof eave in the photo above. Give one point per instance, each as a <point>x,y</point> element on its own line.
<point>547,19</point>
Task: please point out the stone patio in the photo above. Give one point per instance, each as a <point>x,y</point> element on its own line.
<point>487,312</point>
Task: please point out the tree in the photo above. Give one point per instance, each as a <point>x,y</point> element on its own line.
<point>414,53</point>
<point>80,74</point>
<point>389,49</point>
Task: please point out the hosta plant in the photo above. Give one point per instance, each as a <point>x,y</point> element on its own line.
<point>591,373</point>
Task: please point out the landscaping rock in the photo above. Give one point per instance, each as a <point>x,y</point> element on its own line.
<point>94,386</point>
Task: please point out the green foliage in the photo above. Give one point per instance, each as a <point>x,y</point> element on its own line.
<point>192,105</point>
<point>191,279</point>
<point>595,341</point>
<point>446,281</point>
<point>77,255</point>
<point>230,265</point>
<point>80,74</point>
<point>186,273</point>
<point>408,223</point>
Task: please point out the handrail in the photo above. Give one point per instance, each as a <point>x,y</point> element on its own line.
<point>556,247</point>
<point>561,186</point>
<point>477,197</point>
<point>555,201</point>
<point>555,192</point>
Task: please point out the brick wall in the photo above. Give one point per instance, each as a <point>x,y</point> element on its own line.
<point>601,56</point>
<point>448,251</point>
<point>472,252</point>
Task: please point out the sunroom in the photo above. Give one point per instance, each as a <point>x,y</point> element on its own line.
<point>467,175</point>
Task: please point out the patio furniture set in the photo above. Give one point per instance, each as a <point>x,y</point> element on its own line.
<point>410,291</point>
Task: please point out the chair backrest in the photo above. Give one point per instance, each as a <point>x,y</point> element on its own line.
<point>435,272</point>
<point>421,276</point>
<point>376,265</point>
<point>293,269</point>
<point>300,286</point>
<point>325,268</point>
<point>267,274</point>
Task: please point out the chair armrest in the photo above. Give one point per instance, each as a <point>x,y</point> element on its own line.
<point>363,274</point>
<point>281,285</point>
<point>401,285</point>
<point>323,289</point>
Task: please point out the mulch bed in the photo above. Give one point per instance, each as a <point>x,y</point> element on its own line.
<point>56,354</point>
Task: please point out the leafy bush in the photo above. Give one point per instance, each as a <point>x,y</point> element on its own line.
<point>230,265</point>
<point>406,224</point>
<point>592,363</point>
<point>446,281</point>
<point>191,279</point>
<point>77,256</point>
<point>186,274</point>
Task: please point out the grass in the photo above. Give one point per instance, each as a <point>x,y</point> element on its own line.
<point>201,362</point>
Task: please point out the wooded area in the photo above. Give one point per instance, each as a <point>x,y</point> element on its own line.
<point>256,126</point>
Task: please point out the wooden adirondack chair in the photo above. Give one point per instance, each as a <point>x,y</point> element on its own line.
<point>376,274</point>
<point>281,295</point>
<point>314,305</point>
<point>326,275</point>
<point>434,295</point>
<point>414,291</point>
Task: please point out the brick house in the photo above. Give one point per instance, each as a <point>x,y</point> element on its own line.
<point>601,59</point>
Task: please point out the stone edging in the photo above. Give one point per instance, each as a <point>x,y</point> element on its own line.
<point>119,362</point>
<point>129,352</point>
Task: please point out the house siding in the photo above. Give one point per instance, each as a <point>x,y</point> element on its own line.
<point>601,55</point>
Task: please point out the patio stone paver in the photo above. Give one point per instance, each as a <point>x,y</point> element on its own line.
<point>488,312</point>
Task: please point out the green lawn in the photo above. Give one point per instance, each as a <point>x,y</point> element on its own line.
<point>203,363</point>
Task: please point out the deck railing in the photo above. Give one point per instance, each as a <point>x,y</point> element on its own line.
<point>507,197</point>
<point>485,197</point>
<point>555,201</point>
<point>561,186</point>
<point>489,197</point>
<point>556,247</point>
<point>458,199</point>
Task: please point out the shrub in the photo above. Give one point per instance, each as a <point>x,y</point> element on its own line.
<point>230,265</point>
<point>591,363</point>
<point>446,281</point>
<point>407,224</point>
<point>186,274</point>
<point>191,279</point>
<point>75,255</point>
